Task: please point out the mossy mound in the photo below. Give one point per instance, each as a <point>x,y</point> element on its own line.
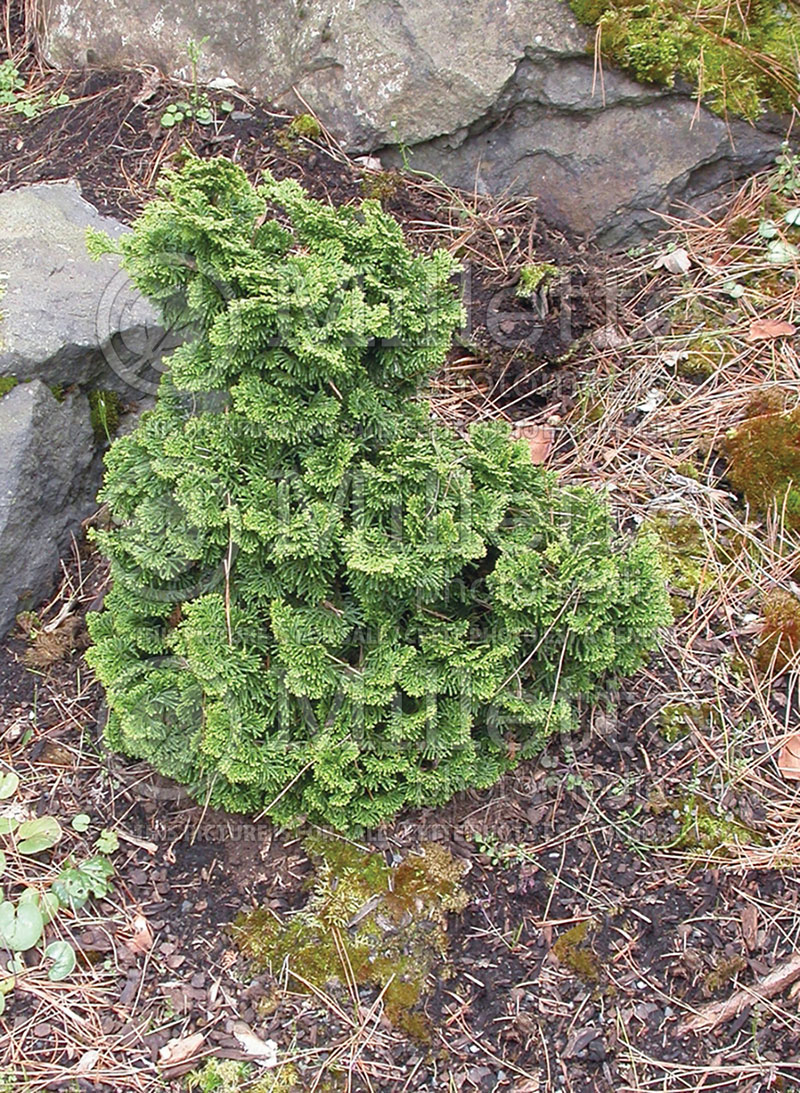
<point>764,460</point>
<point>573,950</point>
<point>780,632</point>
<point>366,924</point>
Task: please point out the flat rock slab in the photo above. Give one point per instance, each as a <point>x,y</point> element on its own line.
<point>48,481</point>
<point>65,318</point>
<point>502,96</point>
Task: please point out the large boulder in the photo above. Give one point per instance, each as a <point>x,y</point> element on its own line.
<point>65,318</point>
<point>48,481</point>
<point>498,94</point>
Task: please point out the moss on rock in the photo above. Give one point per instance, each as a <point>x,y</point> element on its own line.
<point>741,58</point>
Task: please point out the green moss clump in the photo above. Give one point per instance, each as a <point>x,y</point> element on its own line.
<point>230,1076</point>
<point>684,552</point>
<point>573,950</point>
<point>589,11</point>
<point>535,276</point>
<point>7,383</point>
<point>364,922</point>
<point>739,227</point>
<point>302,127</point>
<point>705,356</point>
<point>105,408</point>
<point>688,470</point>
<point>724,972</point>
<point>305,125</point>
<point>701,828</point>
<point>380,185</point>
<point>780,630</point>
<point>678,718</point>
<point>764,461</point>
<point>741,58</point>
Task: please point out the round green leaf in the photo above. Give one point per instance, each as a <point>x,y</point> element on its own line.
<point>8,784</point>
<point>36,835</point>
<point>63,956</point>
<point>734,289</point>
<point>204,116</point>
<point>8,824</point>
<point>782,254</point>
<point>7,920</point>
<point>20,927</point>
<point>49,905</point>
<point>81,822</point>
<point>167,120</point>
<point>767,229</point>
<point>792,217</point>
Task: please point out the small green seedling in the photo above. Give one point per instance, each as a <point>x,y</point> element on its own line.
<point>13,94</point>
<point>63,956</point>
<point>197,107</point>
<point>75,884</point>
<point>21,925</point>
<point>106,842</point>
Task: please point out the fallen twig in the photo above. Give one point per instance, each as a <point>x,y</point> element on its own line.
<point>717,1013</point>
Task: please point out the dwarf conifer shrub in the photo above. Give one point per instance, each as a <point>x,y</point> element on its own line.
<point>323,602</point>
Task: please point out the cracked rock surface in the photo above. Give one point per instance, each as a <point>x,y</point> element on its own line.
<point>495,94</point>
<point>48,481</point>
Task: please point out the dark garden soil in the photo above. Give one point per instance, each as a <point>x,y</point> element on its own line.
<point>606,901</point>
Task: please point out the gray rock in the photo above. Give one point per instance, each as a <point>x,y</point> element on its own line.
<point>605,171</point>
<point>493,93</point>
<point>64,318</point>
<point>48,481</point>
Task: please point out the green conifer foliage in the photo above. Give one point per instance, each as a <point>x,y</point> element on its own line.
<point>325,604</point>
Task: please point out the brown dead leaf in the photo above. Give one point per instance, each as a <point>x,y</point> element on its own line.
<point>540,440</point>
<point>749,918</point>
<point>527,1085</point>
<point>178,1050</point>
<point>766,330</point>
<point>789,758</point>
<point>266,1051</point>
<point>88,1061</point>
<point>142,940</point>
<point>150,85</point>
<point>674,261</point>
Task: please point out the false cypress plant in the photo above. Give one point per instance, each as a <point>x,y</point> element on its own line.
<point>324,603</point>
